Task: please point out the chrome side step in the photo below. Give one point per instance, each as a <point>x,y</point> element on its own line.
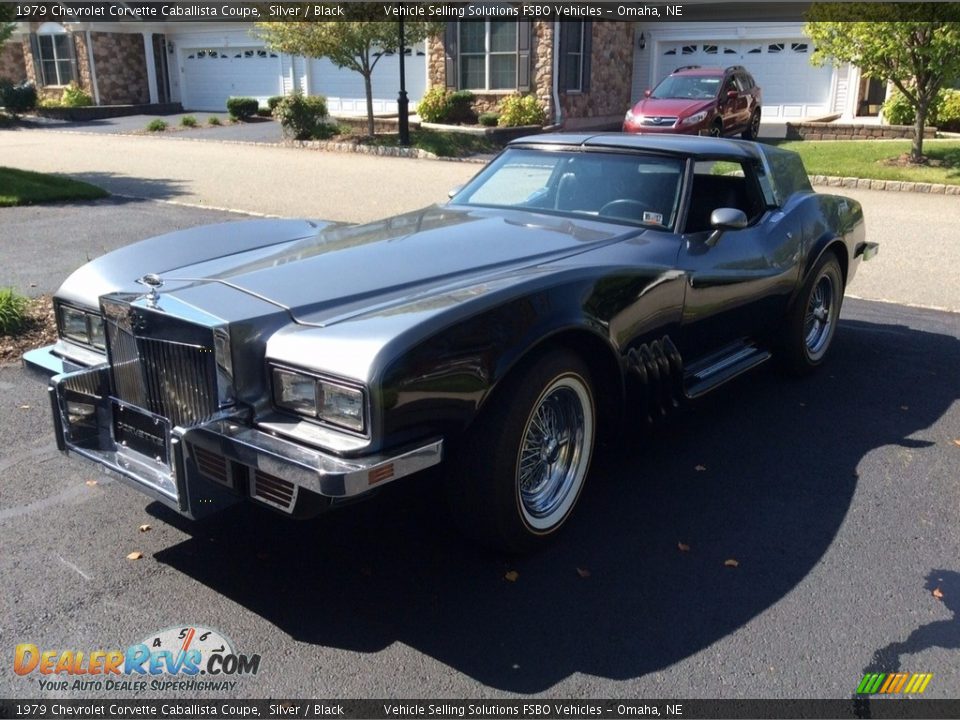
<point>719,367</point>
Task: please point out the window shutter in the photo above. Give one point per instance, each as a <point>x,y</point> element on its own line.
<point>587,52</point>
<point>524,41</point>
<point>73,60</point>
<point>450,38</point>
<point>37,65</point>
<point>564,49</point>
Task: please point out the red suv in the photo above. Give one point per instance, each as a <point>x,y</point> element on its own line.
<point>699,101</point>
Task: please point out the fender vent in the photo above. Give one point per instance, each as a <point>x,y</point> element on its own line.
<point>273,491</point>
<point>658,368</point>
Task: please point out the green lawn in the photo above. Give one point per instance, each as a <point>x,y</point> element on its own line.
<point>865,159</point>
<point>21,187</point>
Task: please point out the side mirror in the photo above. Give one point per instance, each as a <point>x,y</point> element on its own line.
<point>723,219</point>
<point>454,190</point>
<point>648,92</point>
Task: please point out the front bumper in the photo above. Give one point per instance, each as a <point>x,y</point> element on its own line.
<point>198,470</point>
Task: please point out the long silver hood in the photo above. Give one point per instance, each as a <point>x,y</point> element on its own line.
<point>345,270</point>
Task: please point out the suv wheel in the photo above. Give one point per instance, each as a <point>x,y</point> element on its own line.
<point>753,129</point>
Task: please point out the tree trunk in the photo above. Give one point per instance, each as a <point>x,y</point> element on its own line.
<point>368,87</point>
<point>919,123</point>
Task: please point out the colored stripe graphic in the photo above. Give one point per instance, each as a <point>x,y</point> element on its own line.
<point>894,683</point>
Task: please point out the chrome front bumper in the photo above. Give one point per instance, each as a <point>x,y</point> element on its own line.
<point>198,470</point>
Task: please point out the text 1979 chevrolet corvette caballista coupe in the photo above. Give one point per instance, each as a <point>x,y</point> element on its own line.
<point>575,280</point>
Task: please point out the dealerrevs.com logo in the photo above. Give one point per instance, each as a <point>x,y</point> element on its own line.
<point>189,658</point>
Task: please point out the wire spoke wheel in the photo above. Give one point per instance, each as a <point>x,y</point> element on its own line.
<point>554,452</point>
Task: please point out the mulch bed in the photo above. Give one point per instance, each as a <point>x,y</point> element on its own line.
<point>41,329</point>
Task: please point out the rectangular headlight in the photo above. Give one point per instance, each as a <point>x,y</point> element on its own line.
<point>340,405</point>
<point>97,337</point>
<point>295,391</point>
<point>73,325</point>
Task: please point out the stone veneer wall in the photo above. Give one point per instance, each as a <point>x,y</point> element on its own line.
<point>12,65</point>
<point>852,131</point>
<point>121,68</point>
<point>611,76</point>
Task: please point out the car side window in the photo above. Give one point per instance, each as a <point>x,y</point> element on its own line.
<point>722,184</point>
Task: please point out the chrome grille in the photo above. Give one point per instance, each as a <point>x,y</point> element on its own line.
<point>659,121</point>
<point>170,379</point>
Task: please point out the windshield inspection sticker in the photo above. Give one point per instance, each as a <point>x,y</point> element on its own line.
<point>652,218</point>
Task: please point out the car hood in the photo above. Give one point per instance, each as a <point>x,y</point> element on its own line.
<point>671,107</point>
<point>344,271</point>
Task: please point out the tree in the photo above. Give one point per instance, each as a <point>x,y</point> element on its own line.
<point>354,45</point>
<point>7,26</point>
<point>917,56</point>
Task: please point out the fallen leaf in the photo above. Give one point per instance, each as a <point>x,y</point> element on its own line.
<point>583,572</point>
<point>136,555</point>
<point>731,563</point>
<point>24,407</point>
<point>683,547</point>
<point>700,468</point>
<point>90,483</point>
<point>144,528</point>
<point>512,576</point>
<point>957,442</point>
<point>938,593</point>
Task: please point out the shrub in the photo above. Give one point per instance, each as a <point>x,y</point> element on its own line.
<point>242,108</point>
<point>461,107</point>
<point>435,105</point>
<point>521,110</point>
<point>214,120</point>
<point>13,311</point>
<point>73,96</point>
<point>18,99</point>
<point>273,101</point>
<point>157,125</point>
<point>897,110</point>
<point>489,119</point>
<point>188,121</point>
<point>303,118</point>
<point>948,118</point>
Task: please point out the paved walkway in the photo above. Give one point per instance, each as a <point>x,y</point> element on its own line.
<point>917,264</point>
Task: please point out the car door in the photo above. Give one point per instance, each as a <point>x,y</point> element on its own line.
<point>733,106</point>
<point>738,284</point>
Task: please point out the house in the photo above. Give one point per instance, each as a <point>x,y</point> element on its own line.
<point>197,64</point>
<point>585,73</point>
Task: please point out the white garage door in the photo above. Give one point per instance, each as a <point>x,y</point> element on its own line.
<point>792,87</point>
<point>211,75</point>
<point>344,88</point>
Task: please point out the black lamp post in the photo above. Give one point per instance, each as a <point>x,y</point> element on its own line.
<point>403,104</point>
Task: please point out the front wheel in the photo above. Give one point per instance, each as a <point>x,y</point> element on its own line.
<point>527,460</point>
<point>808,332</point>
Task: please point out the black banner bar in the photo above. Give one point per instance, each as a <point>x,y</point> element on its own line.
<point>535,709</point>
<point>595,10</point>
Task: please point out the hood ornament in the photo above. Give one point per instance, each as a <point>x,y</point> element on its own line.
<point>154,282</point>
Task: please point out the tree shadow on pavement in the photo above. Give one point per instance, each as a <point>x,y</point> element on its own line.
<point>942,633</point>
<point>127,188</point>
<point>762,472</point>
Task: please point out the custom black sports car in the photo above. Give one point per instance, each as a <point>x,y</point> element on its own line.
<point>576,279</point>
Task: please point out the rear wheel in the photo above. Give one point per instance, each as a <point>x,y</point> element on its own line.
<point>807,335</point>
<point>716,130</point>
<point>528,458</point>
<point>753,129</point>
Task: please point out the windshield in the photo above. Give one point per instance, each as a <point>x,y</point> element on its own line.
<point>689,87</point>
<point>635,188</point>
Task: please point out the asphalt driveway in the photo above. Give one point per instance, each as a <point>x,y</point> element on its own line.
<point>257,130</point>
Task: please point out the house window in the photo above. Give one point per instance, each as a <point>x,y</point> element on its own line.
<point>56,60</point>
<point>488,55</point>
<point>572,51</point>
